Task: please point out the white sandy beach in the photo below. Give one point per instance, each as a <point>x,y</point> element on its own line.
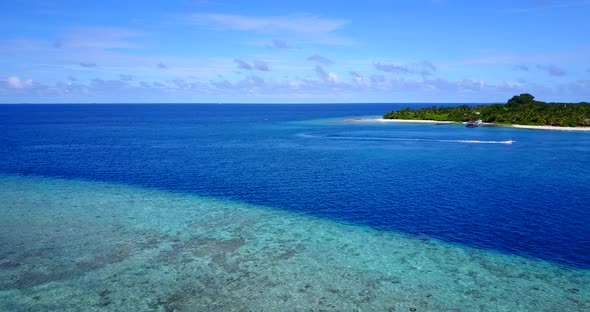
<point>380,120</point>
<point>550,128</point>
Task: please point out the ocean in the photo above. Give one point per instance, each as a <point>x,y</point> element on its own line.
<point>241,207</point>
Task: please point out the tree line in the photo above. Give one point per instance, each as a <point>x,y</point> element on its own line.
<point>520,109</point>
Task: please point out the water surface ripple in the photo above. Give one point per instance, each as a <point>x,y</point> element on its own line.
<point>529,198</point>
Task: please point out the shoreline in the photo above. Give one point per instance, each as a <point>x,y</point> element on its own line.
<point>529,127</point>
<point>555,128</point>
<point>381,120</point>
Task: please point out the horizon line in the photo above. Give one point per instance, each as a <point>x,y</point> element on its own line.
<point>238,103</point>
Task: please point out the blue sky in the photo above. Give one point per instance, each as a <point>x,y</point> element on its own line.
<point>293,51</point>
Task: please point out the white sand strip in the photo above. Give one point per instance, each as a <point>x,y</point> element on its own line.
<point>551,128</point>
<point>380,120</point>
<point>377,120</point>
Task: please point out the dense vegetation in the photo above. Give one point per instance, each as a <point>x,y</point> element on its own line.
<point>520,109</point>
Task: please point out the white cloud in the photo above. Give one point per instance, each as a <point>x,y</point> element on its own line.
<point>98,38</point>
<point>87,64</point>
<point>327,77</point>
<point>333,77</point>
<point>520,67</point>
<point>280,44</point>
<point>261,65</point>
<point>242,64</point>
<point>17,83</point>
<point>256,65</point>
<point>321,73</point>
<point>552,70</point>
<point>320,59</point>
<point>300,28</point>
<point>326,86</point>
<point>471,84</point>
<point>423,68</point>
<point>273,24</point>
<point>358,80</point>
<point>579,53</point>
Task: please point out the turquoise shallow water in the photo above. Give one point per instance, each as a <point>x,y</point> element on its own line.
<point>70,245</point>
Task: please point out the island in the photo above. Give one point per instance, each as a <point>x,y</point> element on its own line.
<point>520,111</point>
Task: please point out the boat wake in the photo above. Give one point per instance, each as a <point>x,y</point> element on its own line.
<point>485,142</point>
<point>367,138</point>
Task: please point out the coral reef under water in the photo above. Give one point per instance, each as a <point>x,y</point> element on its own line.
<point>88,246</point>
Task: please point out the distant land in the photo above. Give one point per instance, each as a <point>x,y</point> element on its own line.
<point>519,110</point>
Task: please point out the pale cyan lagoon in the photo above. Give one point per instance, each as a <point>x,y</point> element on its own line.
<point>72,245</point>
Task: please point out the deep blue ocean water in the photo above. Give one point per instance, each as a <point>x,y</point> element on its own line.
<point>531,198</point>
